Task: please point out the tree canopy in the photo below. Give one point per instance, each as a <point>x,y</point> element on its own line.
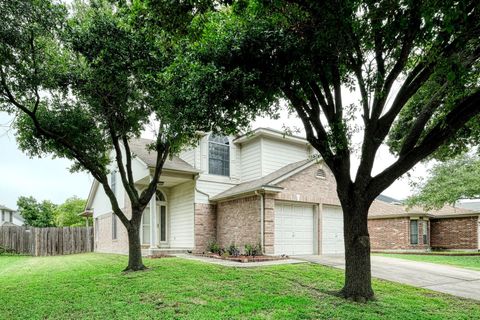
<point>36,214</point>
<point>448,182</point>
<point>67,214</point>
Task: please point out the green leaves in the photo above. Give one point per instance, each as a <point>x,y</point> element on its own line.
<point>449,182</point>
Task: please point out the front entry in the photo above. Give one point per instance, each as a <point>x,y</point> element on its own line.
<point>159,221</point>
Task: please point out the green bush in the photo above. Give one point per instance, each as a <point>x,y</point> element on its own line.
<point>214,247</point>
<point>253,250</point>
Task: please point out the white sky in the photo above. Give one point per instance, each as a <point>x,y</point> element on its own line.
<point>50,179</point>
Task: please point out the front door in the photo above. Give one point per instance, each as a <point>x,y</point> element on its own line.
<point>162,224</point>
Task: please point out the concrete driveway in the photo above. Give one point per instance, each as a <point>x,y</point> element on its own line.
<point>453,280</point>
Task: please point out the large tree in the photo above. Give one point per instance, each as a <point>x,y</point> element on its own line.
<point>448,182</point>
<point>67,214</point>
<point>36,214</point>
<point>413,65</point>
<point>82,83</point>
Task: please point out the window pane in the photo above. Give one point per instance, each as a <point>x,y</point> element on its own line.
<point>219,156</point>
<point>163,223</point>
<point>146,234</point>
<point>413,231</point>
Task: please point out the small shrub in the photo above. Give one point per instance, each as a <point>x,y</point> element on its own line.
<point>253,250</point>
<point>214,247</point>
<point>233,250</point>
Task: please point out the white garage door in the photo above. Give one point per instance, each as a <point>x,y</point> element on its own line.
<point>332,230</point>
<point>294,227</point>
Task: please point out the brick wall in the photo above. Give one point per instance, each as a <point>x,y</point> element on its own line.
<point>238,222</point>
<point>104,241</point>
<point>455,233</point>
<point>103,237</point>
<point>394,234</point>
<point>306,187</point>
<point>205,226</point>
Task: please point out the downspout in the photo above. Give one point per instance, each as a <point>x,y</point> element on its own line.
<point>262,222</point>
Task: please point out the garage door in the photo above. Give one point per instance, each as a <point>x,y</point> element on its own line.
<point>294,229</point>
<point>332,230</point>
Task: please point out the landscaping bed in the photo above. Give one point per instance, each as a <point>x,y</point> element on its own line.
<point>243,258</point>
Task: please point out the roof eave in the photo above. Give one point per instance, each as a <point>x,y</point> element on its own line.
<point>271,133</point>
<point>264,188</point>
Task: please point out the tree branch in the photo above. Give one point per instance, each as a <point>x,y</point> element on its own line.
<point>466,109</point>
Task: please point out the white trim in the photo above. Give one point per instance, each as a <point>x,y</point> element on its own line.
<point>265,188</point>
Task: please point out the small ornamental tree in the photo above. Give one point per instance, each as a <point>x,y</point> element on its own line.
<point>449,182</point>
<point>414,65</point>
<point>82,83</point>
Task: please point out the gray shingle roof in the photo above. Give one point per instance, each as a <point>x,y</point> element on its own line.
<point>139,148</point>
<point>261,182</point>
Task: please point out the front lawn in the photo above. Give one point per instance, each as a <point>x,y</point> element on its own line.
<point>471,262</point>
<point>92,286</point>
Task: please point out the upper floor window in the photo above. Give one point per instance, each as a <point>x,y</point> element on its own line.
<point>218,155</point>
<point>113,182</point>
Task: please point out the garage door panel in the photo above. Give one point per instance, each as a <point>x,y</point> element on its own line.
<point>332,231</point>
<point>294,229</point>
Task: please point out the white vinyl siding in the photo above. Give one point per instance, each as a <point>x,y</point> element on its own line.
<point>212,188</point>
<point>188,156</point>
<point>251,160</point>
<point>332,230</point>
<point>277,154</point>
<point>181,211</point>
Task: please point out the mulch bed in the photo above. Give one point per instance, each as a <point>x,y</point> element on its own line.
<point>243,258</point>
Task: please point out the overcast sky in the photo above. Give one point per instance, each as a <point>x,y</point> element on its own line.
<point>50,179</point>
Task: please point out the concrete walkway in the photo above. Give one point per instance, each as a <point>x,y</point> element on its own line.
<point>448,279</point>
<point>227,263</point>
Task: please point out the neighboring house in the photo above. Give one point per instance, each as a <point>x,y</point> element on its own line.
<point>469,204</point>
<point>9,217</point>
<point>260,188</point>
<point>399,228</point>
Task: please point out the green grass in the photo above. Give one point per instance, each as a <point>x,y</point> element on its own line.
<point>91,286</point>
<point>471,262</point>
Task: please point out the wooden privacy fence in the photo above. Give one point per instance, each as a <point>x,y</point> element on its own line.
<point>47,241</point>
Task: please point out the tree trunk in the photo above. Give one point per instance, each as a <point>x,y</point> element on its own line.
<point>135,261</point>
<point>358,278</point>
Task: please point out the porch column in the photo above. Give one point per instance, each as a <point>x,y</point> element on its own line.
<point>153,222</point>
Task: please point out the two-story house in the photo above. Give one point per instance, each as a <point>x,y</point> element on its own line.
<point>262,188</point>
<point>9,217</point>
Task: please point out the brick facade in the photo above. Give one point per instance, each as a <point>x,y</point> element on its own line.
<point>238,222</point>
<point>394,234</point>
<point>205,226</point>
<point>455,233</point>
<point>306,187</point>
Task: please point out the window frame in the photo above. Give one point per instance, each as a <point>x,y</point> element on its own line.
<point>413,221</point>
<point>425,232</point>
<point>225,144</point>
